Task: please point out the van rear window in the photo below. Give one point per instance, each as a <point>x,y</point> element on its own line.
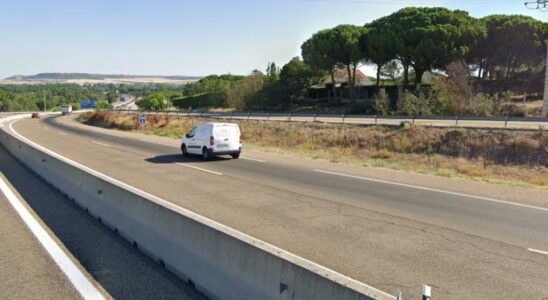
<point>226,131</point>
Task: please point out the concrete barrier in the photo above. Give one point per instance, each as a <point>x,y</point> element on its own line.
<point>219,261</point>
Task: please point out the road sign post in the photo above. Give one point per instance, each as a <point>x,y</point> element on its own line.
<point>142,121</point>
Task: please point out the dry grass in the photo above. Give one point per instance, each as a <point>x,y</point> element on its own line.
<point>508,157</point>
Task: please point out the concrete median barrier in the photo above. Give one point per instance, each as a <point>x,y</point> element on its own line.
<point>219,261</point>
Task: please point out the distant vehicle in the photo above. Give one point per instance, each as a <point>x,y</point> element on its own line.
<point>66,109</point>
<point>35,115</point>
<point>213,139</point>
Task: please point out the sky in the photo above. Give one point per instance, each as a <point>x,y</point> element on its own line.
<point>180,37</point>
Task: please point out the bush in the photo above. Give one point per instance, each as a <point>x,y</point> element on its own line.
<point>103,105</point>
<point>382,103</point>
<point>199,101</point>
<point>482,105</point>
<point>405,124</point>
<point>412,105</point>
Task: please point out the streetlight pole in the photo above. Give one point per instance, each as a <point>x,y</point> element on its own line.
<point>45,108</point>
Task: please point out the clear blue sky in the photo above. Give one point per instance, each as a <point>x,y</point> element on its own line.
<point>179,37</point>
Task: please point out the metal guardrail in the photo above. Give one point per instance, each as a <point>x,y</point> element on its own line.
<point>451,121</point>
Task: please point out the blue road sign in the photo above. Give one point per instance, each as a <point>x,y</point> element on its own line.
<point>87,104</point>
<point>142,119</point>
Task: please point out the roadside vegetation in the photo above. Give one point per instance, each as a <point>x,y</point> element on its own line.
<point>31,97</point>
<point>429,61</point>
<point>500,156</point>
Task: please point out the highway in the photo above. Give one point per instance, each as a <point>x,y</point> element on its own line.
<point>386,234</point>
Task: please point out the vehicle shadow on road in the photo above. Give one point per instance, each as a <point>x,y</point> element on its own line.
<point>178,158</point>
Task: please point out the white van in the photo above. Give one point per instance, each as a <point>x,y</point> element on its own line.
<point>213,139</point>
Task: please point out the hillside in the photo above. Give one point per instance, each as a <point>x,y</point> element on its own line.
<point>87,78</point>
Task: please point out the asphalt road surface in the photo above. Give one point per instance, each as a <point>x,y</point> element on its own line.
<point>27,271</point>
<point>388,236</point>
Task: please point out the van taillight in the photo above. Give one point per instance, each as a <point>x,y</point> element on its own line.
<point>211,141</point>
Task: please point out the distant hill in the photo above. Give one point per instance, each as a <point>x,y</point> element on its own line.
<point>83,76</point>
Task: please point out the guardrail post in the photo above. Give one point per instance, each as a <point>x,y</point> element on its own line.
<point>343,116</point>
<point>506,122</point>
<point>376,117</point>
<point>426,292</point>
<point>231,115</point>
<point>248,116</point>
<point>201,114</point>
<point>413,120</point>
<point>315,116</point>
<point>289,117</point>
<point>457,122</point>
<point>267,116</point>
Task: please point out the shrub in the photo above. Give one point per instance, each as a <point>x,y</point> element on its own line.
<point>482,105</point>
<point>382,103</point>
<point>412,105</point>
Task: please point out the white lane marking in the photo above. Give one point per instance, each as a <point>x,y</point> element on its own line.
<point>197,168</point>
<point>86,289</point>
<point>253,159</point>
<point>284,254</point>
<point>537,251</point>
<point>165,144</point>
<point>434,190</point>
<point>99,143</point>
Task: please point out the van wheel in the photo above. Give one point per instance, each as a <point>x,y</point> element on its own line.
<point>183,150</point>
<point>235,156</point>
<point>205,154</point>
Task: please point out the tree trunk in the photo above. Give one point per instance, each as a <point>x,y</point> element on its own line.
<point>354,80</point>
<point>418,79</point>
<point>405,75</point>
<point>480,71</point>
<point>350,82</point>
<point>509,66</point>
<point>378,76</point>
<point>334,84</point>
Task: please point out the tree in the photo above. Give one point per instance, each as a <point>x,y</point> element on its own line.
<point>431,38</point>
<point>511,42</point>
<point>296,76</point>
<point>319,53</point>
<point>379,42</point>
<point>391,70</point>
<point>272,72</point>
<point>348,50</point>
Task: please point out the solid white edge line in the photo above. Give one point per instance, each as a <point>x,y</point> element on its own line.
<point>253,159</point>
<point>99,143</point>
<point>198,168</point>
<point>537,251</point>
<point>267,247</point>
<point>82,284</point>
<point>434,190</point>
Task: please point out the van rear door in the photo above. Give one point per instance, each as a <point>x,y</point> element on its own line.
<point>227,137</point>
